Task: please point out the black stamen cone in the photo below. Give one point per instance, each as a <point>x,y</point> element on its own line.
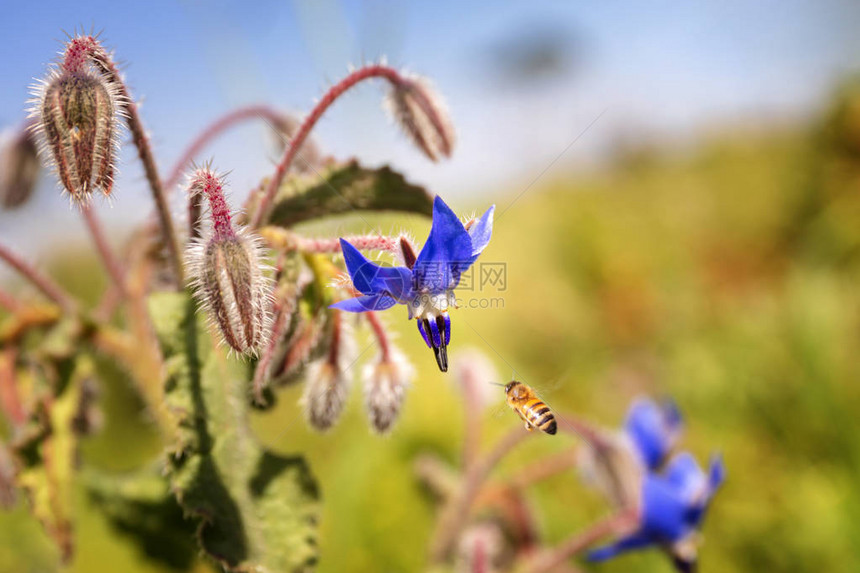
<point>441,357</point>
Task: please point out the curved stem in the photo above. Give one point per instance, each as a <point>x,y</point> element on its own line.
<point>454,514</point>
<point>141,140</point>
<point>111,263</point>
<point>367,72</point>
<point>617,524</point>
<point>380,334</point>
<point>48,287</point>
<point>214,130</point>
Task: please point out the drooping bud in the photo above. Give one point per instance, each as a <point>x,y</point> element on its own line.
<point>385,384</point>
<point>226,270</point>
<point>77,113</point>
<point>422,116</point>
<point>327,384</point>
<point>19,167</point>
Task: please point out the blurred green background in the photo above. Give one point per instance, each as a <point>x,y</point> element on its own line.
<point>726,278</point>
<point>701,240</point>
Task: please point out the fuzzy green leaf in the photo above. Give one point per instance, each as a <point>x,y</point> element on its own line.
<point>141,505</point>
<point>256,510</point>
<point>343,188</point>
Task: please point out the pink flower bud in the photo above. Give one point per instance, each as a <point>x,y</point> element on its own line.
<point>77,113</point>
<point>385,384</point>
<point>422,116</point>
<point>19,168</point>
<point>226,269</point>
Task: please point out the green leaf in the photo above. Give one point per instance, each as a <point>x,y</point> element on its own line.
<point>344,188</point>
<point>47,450</point>
<point>142,506</point>
<point>256,510</point>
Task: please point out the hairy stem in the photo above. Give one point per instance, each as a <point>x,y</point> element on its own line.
<point>214,130</point>
<point>48,287</point>
<point>617,524</point>
<point>105,63</point>
<point>380,334</point>
<point>456,510</point>
<point>367,72</point>
<point>111,263</point>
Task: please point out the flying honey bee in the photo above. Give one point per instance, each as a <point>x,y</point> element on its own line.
<point>533,411</point>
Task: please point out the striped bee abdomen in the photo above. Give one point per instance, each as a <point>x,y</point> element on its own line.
<point>539,415</point>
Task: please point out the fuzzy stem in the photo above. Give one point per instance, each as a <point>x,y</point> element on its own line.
<point>214,130</point>
<point>103,60</point>
<point>360,242</point>
<point>48,287</point>
<point>113,266</point>
<point>367,72</point>
<point>283,310</point>
<point>618,523</point>
<point>545,468</point>
<point>380,334</point>
<point>453,516</point>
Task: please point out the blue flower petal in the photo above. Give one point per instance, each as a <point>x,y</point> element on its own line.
<point>637,540</point>
<point>653,429</point>
<point>365,303</point>
<point>716,473</point>
<point>481,232</point>
<point>665,513</point>
<point>447,252</point>
<point>370,278</point>
<point>687,478</point>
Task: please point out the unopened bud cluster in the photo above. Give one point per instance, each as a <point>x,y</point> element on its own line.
<point>421,114</point>
<point>226,268</point>
<point>77,109</point>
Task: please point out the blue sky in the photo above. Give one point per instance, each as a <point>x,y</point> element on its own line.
<point>670,69</point>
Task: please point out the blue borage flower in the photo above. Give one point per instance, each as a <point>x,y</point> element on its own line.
<point>673,505</point>
<point>426,285</point>
<point>654,430</point>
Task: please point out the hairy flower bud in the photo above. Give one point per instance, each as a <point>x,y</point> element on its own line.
<point>77,113</point>
<point>324,394</point>
<point>422,116</point>
<point>19,167</point>
<point>385,384</point>
<point>327,385</point>
<point>226,270</point>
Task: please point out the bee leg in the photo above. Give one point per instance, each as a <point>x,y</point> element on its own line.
<point>529,427</point>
